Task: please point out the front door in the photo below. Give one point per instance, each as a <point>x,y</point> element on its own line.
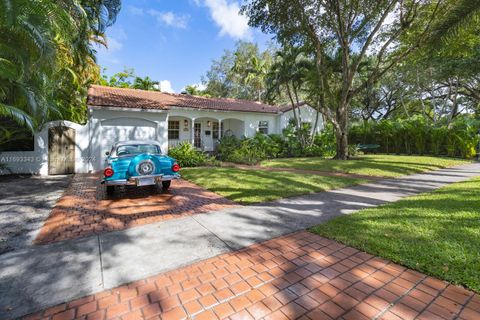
<point>61,150</point>
<point>197,135</point>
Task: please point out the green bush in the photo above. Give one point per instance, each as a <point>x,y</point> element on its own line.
<point>438,139</point>
<point>187,156</point>
<point>250,150</point>
<point>464,133</point>
<point>326,143</point>
<point>352,150</point>
<point>414,135</point>
<point>420,135</point>
<point>248,153</point>
<point>226,146</point>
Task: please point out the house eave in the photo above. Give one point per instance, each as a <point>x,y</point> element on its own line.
<point>134,109</point>
<point>221,110</point>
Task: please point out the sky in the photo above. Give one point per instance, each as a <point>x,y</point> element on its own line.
<point>174,41</point>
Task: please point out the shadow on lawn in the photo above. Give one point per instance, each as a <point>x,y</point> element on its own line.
<point>260,185</point>
<point>409,166</point>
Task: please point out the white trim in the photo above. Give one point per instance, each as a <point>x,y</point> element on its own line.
<point>219,110</point>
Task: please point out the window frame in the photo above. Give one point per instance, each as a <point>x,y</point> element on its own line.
<point>263,126</point>
<point>216,129</point>
<point>174,132</point>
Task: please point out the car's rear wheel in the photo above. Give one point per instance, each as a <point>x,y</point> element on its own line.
<point>166,184</point>
<point>110,190</point>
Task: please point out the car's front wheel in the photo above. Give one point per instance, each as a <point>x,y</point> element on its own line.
<point>166,184</point>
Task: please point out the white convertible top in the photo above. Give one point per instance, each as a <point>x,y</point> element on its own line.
<point>113,152</point>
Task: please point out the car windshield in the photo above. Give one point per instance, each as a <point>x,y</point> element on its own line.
<point>137,149</point>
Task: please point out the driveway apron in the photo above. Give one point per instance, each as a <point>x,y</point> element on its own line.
<point>30,280</point>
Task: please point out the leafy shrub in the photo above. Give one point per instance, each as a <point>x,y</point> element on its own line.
<point>437,139</point>
<point>420,135</point>
<point>266,145</point>
<point>226,146</point>
<point>352,150</point>
<point>326,143</point>
<point>187,156</point>
<point>419,130</point>
<point>250,150</point>
<point>464,133</point>
<point>248,153</point>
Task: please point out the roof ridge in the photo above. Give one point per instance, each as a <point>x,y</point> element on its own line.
<point>189,95</point>
<point>222,98</point>
<point>121,88</point>
<point>153,99</point>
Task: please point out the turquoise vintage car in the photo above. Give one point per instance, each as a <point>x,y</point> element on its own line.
<point>138,163</point>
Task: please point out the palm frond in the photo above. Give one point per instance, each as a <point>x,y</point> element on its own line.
<point>17,115</point>
<point>463,12</point>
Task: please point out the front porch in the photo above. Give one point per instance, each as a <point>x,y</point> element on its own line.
<point>204,132</point>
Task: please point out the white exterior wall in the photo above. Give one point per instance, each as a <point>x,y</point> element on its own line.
<point>36,162</point>
<point>109,125</point>
<point>307,114</point>
<point>243,124</point>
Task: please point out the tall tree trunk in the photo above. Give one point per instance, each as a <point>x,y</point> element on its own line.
<point>292,101</point>
<point>342,145</point>
<point>454,110</point>
<point>314,128</point>
<point>341,133</point>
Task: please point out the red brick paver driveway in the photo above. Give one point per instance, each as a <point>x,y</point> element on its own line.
<point>85,209</point>
<point>299,276</point>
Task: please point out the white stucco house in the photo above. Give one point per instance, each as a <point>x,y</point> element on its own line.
<point>117,114</point>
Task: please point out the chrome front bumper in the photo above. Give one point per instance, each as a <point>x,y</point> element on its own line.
<point>134,181</point>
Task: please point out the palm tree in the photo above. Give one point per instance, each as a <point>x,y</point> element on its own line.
<point>46,57</point>
<point>288,74</point>
<point>28,50</point>
<point>256,74</point>
<point>460,14</point>
<point>145,83</point>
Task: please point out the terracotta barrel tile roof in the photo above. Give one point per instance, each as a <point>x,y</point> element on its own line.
<point>133,98</point>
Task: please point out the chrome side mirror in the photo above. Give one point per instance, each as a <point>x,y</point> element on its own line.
<point>107,153</point>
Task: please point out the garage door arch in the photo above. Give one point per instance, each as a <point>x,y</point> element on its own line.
<point>125,128</point>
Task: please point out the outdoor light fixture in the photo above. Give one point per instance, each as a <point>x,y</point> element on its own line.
<point>185,123</point>
<point>209,123</point>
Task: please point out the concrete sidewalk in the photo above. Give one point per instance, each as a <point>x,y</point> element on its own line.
<point>38,277</point>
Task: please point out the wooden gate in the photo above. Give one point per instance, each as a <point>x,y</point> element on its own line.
<point>61,150</point>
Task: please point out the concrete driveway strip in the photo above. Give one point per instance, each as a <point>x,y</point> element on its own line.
<point>25,203</point>
<point>36,278</point>
<point>137,253</point>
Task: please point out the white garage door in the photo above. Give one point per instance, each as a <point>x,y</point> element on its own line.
<point>123,129</point>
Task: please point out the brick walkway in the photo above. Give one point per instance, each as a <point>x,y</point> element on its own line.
<point>85,209</point>
<point>298,276</point>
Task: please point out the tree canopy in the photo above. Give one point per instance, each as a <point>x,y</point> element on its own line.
<point>128,79</point>
<point>47,59</point>
<point>363,38</point>
<point>239,73</point>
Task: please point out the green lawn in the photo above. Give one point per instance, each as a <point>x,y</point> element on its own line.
<point>372,165</point>
<point>251,186</point>
<point>436,233</point>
